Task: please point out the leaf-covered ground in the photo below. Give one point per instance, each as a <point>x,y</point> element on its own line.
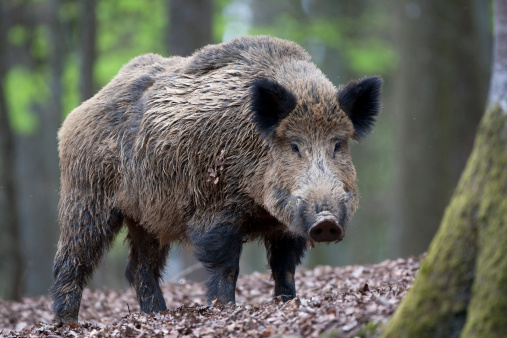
<point>346,302</point>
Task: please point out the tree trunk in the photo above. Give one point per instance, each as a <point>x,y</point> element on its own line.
<point>461,289</point>
<point>191,23</point>
<point>38,171</point>
<point>11,263</point>
<point>440,90</point>
<point>87,30</point>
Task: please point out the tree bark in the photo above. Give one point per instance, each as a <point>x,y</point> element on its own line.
<point>88,23</point>
<point>440,89</point>
<point>191,23</point>
<point>11,262</point>
<point>461,289</point>
<point>38,169</point>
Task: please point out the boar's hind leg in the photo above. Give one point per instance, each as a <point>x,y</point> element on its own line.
<point>86,234</point>
<point>219,248</point>
<point>144,271</point>
<point>284,254</point>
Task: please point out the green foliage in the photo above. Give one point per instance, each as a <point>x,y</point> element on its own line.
<point>127,29</point>
<point>18,35</point>
<point>69,10</point>
<point>23,89</point>
<point>370,56</point>
<point>70,84</point>
<point>288,27</point>
<point>364,50</point>
<point>40,47</point>
<point>219,20</point>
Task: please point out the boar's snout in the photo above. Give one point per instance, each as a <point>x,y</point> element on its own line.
<point>326,229</point>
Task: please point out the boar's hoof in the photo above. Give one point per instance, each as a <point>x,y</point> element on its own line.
<point>326,229</point>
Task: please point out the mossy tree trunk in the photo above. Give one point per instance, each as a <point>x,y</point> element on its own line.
<point>461,289</point>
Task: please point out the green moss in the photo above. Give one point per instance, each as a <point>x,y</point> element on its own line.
<point>486,313</point>
<point>473,232</point>
<point>369,330</point>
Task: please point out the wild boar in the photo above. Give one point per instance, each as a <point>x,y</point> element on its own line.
<point>244,140</point>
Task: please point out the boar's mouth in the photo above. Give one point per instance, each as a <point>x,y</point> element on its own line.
<point>326,228</point>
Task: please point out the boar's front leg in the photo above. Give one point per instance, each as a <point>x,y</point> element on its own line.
<point>219,248</point>
<point>284,254</point>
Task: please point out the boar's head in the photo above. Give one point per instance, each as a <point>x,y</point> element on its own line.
<point>309,183</point>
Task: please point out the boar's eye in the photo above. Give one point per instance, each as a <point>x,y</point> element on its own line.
<point>295,148</point>
<point>337,148</point>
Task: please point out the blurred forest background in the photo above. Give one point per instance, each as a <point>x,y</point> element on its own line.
<point>434,57</point>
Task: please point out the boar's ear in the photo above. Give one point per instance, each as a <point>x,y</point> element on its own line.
<point>360,99</point>
<point>270,104</point>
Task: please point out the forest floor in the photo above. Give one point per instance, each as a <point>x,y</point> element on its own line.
<point>349,301</point>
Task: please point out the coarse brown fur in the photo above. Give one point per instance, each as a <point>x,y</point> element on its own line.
<point>169,149</point>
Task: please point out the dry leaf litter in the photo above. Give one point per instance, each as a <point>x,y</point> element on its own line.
<point>345,302</point>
